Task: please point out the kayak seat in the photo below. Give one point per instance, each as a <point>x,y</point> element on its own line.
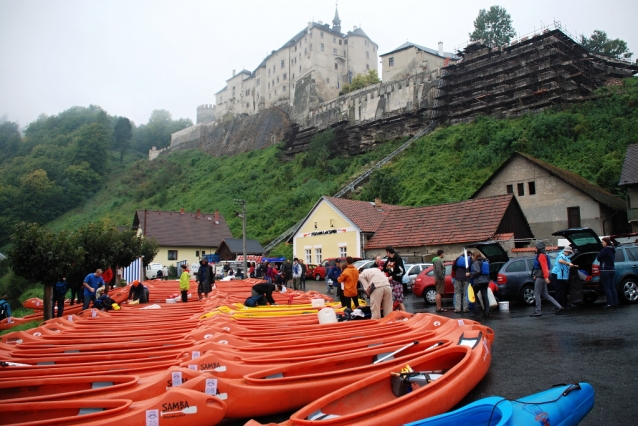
<point>319,415</point>
<point>100,385</point>
<point>274,376</point>
<point>401,384</point>
<point>380,356</point>
<point>89,410</point>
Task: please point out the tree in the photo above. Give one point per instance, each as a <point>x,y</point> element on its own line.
<point>600,44</point>
<point>360,81</point>
<point>384,185</point>
<point>493,26</point>
<point>122,136</point>
<point>40,255</point>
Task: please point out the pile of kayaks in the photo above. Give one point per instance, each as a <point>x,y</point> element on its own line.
<point>169,362</point>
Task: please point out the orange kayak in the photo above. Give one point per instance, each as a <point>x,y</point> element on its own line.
<point>176,406</point>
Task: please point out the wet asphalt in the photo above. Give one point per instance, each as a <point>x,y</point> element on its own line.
<point>530,354</point>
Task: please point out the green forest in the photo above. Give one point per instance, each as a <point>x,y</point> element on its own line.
<point>70,170</point>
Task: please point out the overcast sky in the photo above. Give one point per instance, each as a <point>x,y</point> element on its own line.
<point>134,56</point>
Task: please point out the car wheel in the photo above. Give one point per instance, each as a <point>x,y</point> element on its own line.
<point>317,277</point>
<point>429,295</point>
<point>527,295</point>
<point>628,291</point>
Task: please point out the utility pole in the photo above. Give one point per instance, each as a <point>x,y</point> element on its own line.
<point>243,216</point>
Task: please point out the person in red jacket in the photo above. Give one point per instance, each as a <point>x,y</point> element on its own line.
<point>541,274</point>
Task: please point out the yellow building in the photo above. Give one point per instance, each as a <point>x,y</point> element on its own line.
<point>336,227</point>
<point>182,236</point>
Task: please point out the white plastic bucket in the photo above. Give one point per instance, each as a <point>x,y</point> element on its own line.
<point>318,303</point>
<point>327,316</point>
<point>504,306</point>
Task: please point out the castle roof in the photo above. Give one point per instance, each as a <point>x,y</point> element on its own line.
<point>408,45</point>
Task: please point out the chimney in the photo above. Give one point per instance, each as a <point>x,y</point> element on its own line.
<point>354,28</point>
<point>181,211</point>
<point>441,48</point>
<point>233,73</point>
<point>217,217</point>
<point>377,203</point>
<point>198,214</point>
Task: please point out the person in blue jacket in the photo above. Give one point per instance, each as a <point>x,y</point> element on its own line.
<point>560,274</point>
<point>5,306</point>
<point>91,283</point>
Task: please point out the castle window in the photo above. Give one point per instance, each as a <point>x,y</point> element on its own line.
<point>510,189</point>
<point>322,47</point>
<point>367,55</point>
<point>248,92</point>
<point>258,80</point>
<point>305,40</point>
<point>273,83</point>
<point>338,85</point>
<point>532,188</point>
<point>321,34</point>
<point>305,51</point>
<point>284,88</point>
<point>293,75</point>
<point>367,67</point>
<point>282,63</point>
<point>247,105</point>
<point>285,75</point>
<point>374,49</point>
<point>334,52</point>
<point>328,80</point>
<point>521,189</point>
<point>275,91</point>
<point>310,46</point>
<point>268,72</point>
<point>339,41</point>
<point>365,42</point>
<point>299,68</point>
<point>274,68</point>
<point>269,85</point>
<point>336,66</point>
<point>391,62</point>
<point>277,79</point>
<point>334,39</point>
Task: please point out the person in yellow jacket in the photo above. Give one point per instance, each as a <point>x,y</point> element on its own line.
<point>184,284</point>
<point>349,277</point>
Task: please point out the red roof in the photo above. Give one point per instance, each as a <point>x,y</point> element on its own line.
<point>504,237</point>
<point>532,249</point>
<point>455,223</point>
<point>364,214</point>
<point>182,229</point>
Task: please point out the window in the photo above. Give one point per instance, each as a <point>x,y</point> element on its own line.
<point>521,189</point>
<point>305,40</point>
<point>334,52</point>
<point>275,91</point>
<point>510,189</point>
<point>274,68</point>
<point>203,252</point>
<point>172,255</point>
<point>258,81</point>
<point>305,51</point>
<point>632,252</point>
<point>320,34</point>
<point>532,188</point>
<point>343,251</point>
<point>269,85</point>
<point>336,66</point>
<point>518,266</point>
<point>282,63</point>
<point>277,79</point>
<point>284,88</point>
<point>328,80</point>
<point>620,256</point>
<point>299,68</point>
<point>247,92</point>
<point>322,47</point>
<point>268,72</point>
<point>308,256</point>
<point>573,217</point>
<point>391,62</point>
<point>338,85</point>
<point>247,105</point>
<point>367,67</point>
<point>196,253</point>
<point>317,256</point>
<point>285,75</point>
<point>334,39</point>
<point>273,83</point>
<point>367,55</point>
<point>339,41</point>
<point>293,75</point>
<point>310,46</point>
<point>365,42</point>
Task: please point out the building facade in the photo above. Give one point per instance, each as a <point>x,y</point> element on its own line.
<point>554,199</point>
<point>411,59</point>
<point>330,56</point>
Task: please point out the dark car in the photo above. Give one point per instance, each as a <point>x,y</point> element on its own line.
<point>626,276</point>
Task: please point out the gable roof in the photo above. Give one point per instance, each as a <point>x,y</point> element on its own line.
<point>408,45</point>
<point>577,181</point>
<point>179,229</point>
<point>364,214</point>
<point>629,174</point>
<point>236,245</point>
<point>463,222</point>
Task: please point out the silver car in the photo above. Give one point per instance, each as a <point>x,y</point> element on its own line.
<point>411,272</point>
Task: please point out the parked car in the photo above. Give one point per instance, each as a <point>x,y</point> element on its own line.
<point>626,276</point>
<point>151,270</point>
<point>310,270</point>
<point>412,270</point>
<point>320,271</point>
<point>425,287</point>
<point>364,264</point>
<point>514,279</point>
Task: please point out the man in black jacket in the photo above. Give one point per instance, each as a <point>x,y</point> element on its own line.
<point>395,270</point>
<point>264,290</point>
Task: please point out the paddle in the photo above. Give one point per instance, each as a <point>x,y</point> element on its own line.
<point>187,410</point>
<point>416,342</point>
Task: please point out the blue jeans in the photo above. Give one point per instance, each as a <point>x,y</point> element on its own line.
<point>87,300</point>
<point>607,281</point>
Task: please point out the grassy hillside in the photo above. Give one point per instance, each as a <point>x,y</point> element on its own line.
<point>447,165</point>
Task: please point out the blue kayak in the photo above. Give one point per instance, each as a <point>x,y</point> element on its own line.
<point>562,405</point>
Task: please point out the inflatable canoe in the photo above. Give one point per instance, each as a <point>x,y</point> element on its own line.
<point>562,405</point>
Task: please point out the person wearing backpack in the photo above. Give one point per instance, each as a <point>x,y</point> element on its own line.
<point>480,271</point>
<point>540,273</point>
<point>462,281</point>
<point>58,295</point>
<point>5,307</point>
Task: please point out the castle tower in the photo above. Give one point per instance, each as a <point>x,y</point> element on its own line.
<point>336,22</point>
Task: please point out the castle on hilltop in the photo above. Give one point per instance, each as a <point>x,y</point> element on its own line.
<point>329,56</point>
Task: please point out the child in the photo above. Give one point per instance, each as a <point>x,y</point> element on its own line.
<point>184,285</point>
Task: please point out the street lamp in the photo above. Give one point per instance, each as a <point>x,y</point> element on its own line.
<point>243,216</point>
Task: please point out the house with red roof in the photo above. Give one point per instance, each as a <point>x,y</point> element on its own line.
<point>451,227</point>
<point>337,227</point>
<point>553,198</point>
<point>182,236</point>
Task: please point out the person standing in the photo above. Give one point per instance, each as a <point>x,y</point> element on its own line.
<point>304,269</point>
<point>205,278</point>
<point>395,270</point>
<point>226,269</point>
<point>286,270</point>
<point>296,274</point>
<point>481,282</point>
<point>462,267</point>
<point>5,307</point>
<point>377,287</point>
<point>560,274</point>
<point>607,259</point>
<point>540,273</point>
<point>91,283</point>
<point>77,290</point>
<point>439,279</point>
<point>184,283</point>
<point>349,277</point>
<point>59,293</point>
<point>333,274</point>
